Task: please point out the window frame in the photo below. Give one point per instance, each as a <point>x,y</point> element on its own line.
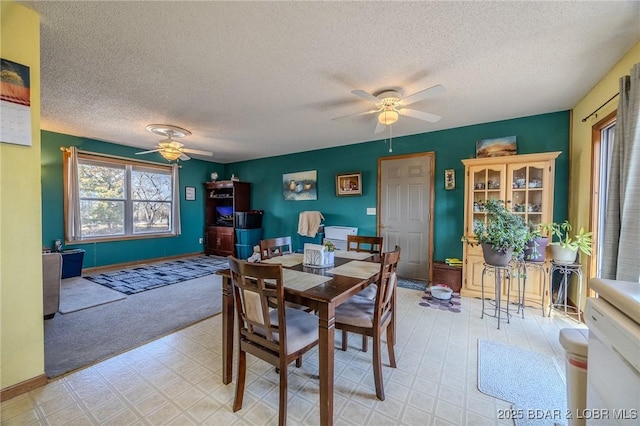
<point>128,200</point>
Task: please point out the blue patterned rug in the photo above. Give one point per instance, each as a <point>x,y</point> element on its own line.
<point>143,278</point>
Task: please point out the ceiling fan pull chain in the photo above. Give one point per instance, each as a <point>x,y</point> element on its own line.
<point>390,140</point>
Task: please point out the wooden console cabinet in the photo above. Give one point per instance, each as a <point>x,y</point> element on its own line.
<point>224,198</point>
<point>525,183</point>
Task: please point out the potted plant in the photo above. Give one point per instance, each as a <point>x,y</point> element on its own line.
<point>502,236</point>
<point>566,248</point>
<point>331,248</point>
<point>536,247</point>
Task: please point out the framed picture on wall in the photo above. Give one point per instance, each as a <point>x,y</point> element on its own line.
<point>190,193</point>
<point>497,147</point>
<point>300,186</point>
<point>349,184</point>
<point>449,179</point>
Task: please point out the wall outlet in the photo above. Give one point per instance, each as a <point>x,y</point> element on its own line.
<point>371,211</point>
<point>200,240</point>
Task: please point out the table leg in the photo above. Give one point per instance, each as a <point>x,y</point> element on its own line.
<point>326,329</point>
<point>227,330</point>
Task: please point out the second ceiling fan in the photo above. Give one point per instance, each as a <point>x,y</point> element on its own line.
<point>390,104</point>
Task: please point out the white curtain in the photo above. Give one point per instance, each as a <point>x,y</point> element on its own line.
<point>175,214</point>
<point>71,204</point>
<point>620,257</point>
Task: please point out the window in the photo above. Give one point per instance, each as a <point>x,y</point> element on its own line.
<point>118,198</point>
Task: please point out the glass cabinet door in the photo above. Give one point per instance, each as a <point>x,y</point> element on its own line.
<point>526,189</point>
<point>485,183</point>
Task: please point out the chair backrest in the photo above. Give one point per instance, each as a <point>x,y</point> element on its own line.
<point>275,247</point>
<point>362,243</point>
<point>257,291</point>
<point>387,281</point>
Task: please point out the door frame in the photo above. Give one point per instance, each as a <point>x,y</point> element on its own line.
<point>431,157</point>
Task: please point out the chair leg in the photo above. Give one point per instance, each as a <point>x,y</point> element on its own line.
<point>299,361</point>
<point>242,374</point>
<point>390,345</point>
<point>282,415</point>
<point>377,365</point>
<point>344,340</point>
<point>365,343</point>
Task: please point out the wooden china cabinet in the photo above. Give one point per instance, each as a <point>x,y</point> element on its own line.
<point>525,183</point>
<point>224,198</point>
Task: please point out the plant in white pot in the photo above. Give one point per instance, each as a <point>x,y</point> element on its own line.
<point>503,235</point>
<point>566,248</point>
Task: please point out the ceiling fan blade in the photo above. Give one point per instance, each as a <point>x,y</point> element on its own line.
<point>184,157</point>
<point>356,114</point>
<point>420,115</point>
<point>197,152</point>
<point>379,127</point>
<point>366,95</point>
<point>149,152</point>
<point>423,94</point>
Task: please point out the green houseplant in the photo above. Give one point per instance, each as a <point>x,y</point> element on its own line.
<point>565,249</point>
<point>502,236</point>
<point>536,248</point>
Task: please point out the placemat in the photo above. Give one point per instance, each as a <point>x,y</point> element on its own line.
<point>302,281</point>
<point>359,255</point>
<point>286,260</point>
<point>357,269</point>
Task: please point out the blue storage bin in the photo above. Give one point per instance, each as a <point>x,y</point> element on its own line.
<point>249,237</point>
<point>244,251</point>
<point>72,262</point>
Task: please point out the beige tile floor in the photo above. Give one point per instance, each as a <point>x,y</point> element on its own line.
<point>176,380</point>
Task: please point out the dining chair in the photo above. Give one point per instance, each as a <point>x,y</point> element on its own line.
<point>277,335</point>
<point>372,317</point>
<point>373,245</point>
<point>364,243</point>
<point>275,247</point>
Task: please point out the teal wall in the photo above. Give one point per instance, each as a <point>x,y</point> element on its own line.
<point>540,133</point>
<point>193,173</point>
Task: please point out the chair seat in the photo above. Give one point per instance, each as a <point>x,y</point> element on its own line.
<point>369,292</point>
<point>302,328</point>
<point>357,311</point>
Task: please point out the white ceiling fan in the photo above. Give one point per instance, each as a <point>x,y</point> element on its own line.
<point>169,148</point>
<point>390,105</point>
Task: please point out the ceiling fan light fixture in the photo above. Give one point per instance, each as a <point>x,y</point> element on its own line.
<point>388,116</point>
<point>170,154</point>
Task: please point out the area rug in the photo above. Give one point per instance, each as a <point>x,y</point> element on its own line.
<point>77,293</point>
<point>147,277</point>
<point>452,305</point>
<point>84,337</point>
<point>412,284</point>
<point>530,380</point>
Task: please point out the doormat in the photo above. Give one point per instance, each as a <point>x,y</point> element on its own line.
<point>143,278</point>
<point>452,305</point>
<point>412,284</point>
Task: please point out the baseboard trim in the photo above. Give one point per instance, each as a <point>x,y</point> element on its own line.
<point>88,271</point>
<point>23,387</point>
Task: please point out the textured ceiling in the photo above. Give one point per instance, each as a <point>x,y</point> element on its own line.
<point>258,79</point>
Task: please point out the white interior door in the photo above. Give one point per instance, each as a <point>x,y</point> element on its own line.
<point>405,211</point>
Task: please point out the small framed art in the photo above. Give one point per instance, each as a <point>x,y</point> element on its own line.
<point>449,179</point>
<point>349,184</point>
<point>190,193</point>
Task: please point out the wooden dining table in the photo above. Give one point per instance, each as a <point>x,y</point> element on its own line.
<point>323,298</point>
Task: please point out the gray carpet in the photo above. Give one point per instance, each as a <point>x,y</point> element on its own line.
<point>529,380</point>
<point>87,336</point>
<point>77,293</point>
<point>412,284</point>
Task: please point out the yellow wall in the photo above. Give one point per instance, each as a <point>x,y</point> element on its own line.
<point>581,143</point>
<point>21,323</point>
